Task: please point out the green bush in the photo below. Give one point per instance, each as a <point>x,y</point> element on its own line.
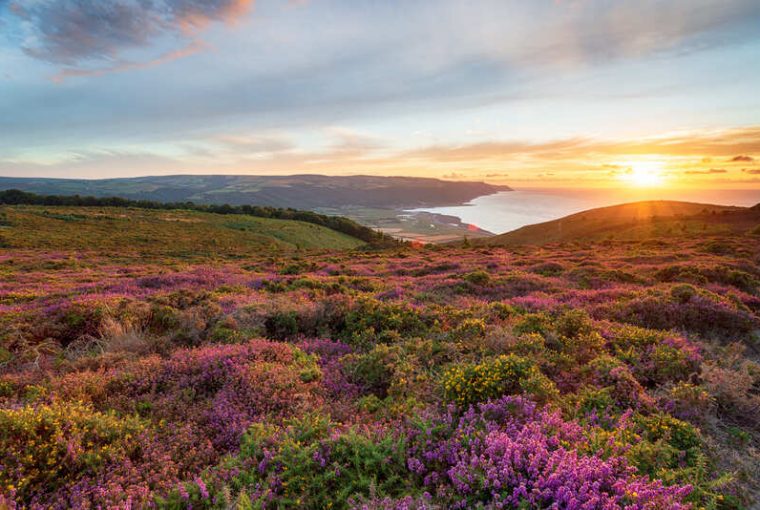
<point>312,468</point>
<point>477,278</point>
<point>372,370</point>
<point>468,384</point>
<point>372,321</point>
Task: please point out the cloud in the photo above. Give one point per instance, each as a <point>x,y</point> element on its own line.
<point>77,32</point>
<point>192,48</point>
<point>745,159</point>
<point>707,143</point>
<point>706,172</point>
<point>751,171</point>
<point>255,144</point>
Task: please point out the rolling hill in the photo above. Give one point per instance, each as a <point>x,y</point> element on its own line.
<point>297,191</point>
<point>635,221</point>
<point>179,233</point>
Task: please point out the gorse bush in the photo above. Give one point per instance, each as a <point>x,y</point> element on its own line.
<point>46,447</point>
<point>509,374</point>
<point>310,464</point>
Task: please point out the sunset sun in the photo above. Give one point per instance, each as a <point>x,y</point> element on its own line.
<point>647,174</point>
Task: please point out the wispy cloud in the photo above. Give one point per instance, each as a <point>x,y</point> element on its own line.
<point>711,171</point>
<point>192,48</point>
<point>79,33</point>
<point>573,161</point>
<point>705,144</point>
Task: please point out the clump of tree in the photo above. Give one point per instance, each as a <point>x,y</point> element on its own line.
<point>337,223</point>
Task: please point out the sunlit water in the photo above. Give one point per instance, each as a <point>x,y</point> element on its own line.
<point>509,210</point>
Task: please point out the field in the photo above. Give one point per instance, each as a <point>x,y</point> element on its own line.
<point>172,360</point>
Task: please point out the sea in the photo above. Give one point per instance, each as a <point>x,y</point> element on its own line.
<point>509,210</point>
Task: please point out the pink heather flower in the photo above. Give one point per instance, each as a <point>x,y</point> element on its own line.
<point>202,487</point>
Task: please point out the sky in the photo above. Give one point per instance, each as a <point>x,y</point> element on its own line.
<point>529,93</point>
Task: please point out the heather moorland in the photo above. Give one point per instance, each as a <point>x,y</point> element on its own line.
<point>601,374</point>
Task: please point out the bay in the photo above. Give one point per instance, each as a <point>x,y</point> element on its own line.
<point>509,210</point>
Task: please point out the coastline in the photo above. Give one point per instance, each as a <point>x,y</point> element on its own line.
<point>496,214</point>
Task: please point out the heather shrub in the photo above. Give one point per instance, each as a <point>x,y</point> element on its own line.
<point>508,453</point>
<point>74,321</point>
<point>467,384</point>
<point>703,313</point>
<point>681,273</point>
<point>220,389</point>
<point>717,248</point>
<point>5,356</point>
<point>501,341</point>
<point>627,338</point>
<point>548,269</point>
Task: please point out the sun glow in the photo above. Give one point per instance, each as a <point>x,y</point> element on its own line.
<point>644,174</point>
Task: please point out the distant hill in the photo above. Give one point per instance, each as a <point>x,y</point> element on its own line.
<point>176,233</point>
<point>296,191</point>
<point>634,221</point>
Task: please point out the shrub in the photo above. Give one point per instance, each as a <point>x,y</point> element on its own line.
<point>507,453</point>
<point>282,325</point>
<point>503,375</point>
<point>533,323</point>
<point>372,321</point>
<point>683,293</point>
<point>373,371</point>
<point>688,402</point>
<point>311,464</point>
<point>615,377</point>
<point>46,447</point>
<point>477,278</point>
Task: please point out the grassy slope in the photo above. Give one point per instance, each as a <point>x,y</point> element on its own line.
<point>635,221</point>
<point>178,233</point>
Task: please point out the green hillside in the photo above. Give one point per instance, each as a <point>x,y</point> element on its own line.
<point>635,222</point>
<point>169,232</point>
